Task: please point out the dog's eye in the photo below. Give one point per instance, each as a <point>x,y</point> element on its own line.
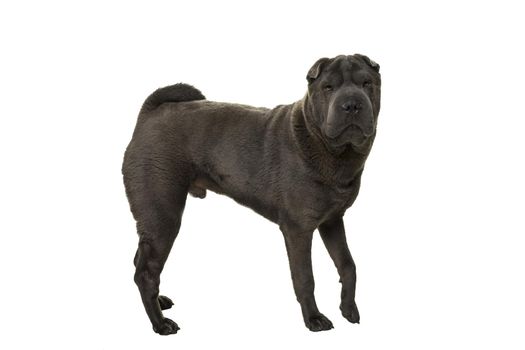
<point>328,88</point>
<point>367,84</point>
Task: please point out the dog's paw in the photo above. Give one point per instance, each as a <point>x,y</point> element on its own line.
<point>166,327</point>
<point>350,312</point>
<point>318,323</point>
<point>165,302</point>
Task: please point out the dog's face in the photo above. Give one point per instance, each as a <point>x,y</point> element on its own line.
<point>344,100</point>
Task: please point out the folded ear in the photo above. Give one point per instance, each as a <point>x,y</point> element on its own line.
<point>316,69</point>
<point>369,62</point>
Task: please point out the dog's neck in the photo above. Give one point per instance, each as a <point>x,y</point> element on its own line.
<point>339,167</point>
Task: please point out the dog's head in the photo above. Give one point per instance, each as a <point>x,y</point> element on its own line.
<point>343,101</point>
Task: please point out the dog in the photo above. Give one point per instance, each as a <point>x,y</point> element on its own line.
<point>298,165</point>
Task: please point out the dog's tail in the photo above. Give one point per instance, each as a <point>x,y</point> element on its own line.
<point>174,93</point>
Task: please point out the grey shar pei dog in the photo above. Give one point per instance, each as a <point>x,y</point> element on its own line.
<point>298,165</point>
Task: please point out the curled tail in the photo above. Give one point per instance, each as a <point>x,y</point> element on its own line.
<point>174,93</point>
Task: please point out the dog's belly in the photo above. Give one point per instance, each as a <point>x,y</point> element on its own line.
<point>246,189</point>
<point>292,199</point>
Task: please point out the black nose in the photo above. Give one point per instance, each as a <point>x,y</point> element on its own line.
<point>352,107</point>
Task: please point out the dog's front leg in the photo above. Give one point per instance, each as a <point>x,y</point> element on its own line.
<point>298,246</point>
<point>334,238</point>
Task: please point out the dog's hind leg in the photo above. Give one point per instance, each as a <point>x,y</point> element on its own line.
<point>158,227</point>
<point>164,302</point>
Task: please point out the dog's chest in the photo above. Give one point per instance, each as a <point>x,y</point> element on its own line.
<point>340,197</point>
<point>311,203</point>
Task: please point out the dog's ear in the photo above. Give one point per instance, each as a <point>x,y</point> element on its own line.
<point>316,69</point>
<point>369,62</point>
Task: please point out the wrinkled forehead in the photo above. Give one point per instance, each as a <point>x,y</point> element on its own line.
<point>346,68</point>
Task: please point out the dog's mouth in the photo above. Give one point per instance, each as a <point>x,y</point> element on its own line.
<point>350,134</point>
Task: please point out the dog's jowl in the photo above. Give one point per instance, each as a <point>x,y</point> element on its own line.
<point>298,165</point>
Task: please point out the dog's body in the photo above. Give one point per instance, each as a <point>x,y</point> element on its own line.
<point>298,165</point>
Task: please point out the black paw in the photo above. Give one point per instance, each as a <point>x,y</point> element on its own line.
<point>318,323</point>
<point>165,302</point>
<point>350,312</point>
<point>166,327</point>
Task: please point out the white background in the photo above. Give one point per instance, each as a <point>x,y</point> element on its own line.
<point>437,231</point>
